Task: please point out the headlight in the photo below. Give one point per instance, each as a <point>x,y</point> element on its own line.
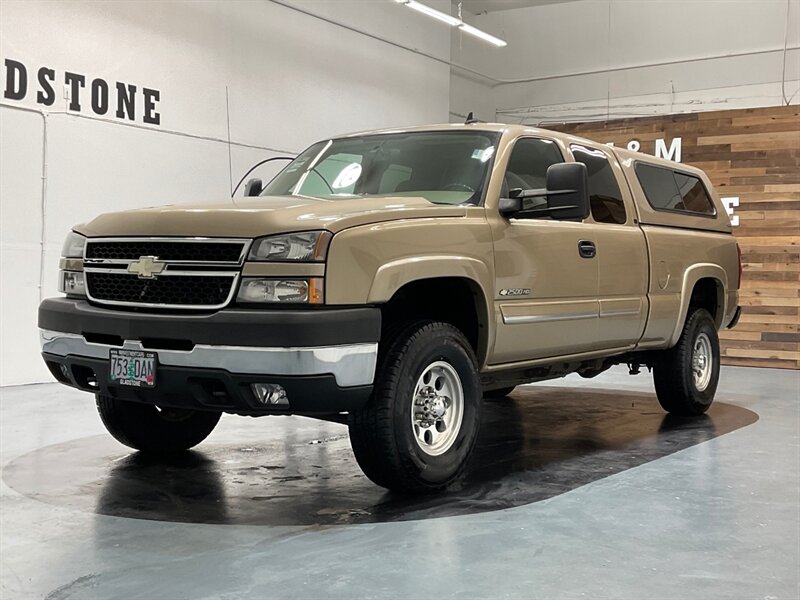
<point>73,245</point>
<point>71,283</point>
<point>298,291</point>
<point>308,246</point>
<point>70,278</point>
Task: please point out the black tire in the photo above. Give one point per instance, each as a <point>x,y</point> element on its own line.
<point>501,393</point>
<point>382,434</point>
<point>673,373</point>
<point>150,429</point>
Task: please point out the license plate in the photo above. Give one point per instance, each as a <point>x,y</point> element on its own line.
<point>133,367</point>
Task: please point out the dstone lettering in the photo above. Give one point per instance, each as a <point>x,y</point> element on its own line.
<point>124,100</point>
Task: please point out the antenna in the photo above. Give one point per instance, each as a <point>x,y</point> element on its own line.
<point>471,119</point>
<point>228,120</point>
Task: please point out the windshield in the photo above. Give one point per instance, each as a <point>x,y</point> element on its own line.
<point>444,167</point>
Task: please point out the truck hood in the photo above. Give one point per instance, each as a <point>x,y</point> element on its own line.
<point>263,215</point>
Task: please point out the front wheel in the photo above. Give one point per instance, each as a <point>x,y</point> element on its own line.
<point>152,429</point>
<point>686,375</point>
<point>419,428</point>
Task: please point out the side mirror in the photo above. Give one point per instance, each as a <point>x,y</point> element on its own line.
<point>253,187</point>
<point>508,207</point>
<point>568,191</point>
<point>567,194</point>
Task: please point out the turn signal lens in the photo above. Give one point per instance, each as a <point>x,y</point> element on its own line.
<point>316,291</point>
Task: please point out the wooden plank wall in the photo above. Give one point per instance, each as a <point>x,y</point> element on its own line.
<point>752,154</point>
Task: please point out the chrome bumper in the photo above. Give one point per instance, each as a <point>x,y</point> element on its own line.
<point>351,364</point>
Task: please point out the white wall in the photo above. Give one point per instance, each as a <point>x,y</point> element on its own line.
<point>567,48</point>
<point>291,79</point>
<point>471,95</point>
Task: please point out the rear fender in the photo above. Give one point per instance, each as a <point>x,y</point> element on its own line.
<point>690,278</point>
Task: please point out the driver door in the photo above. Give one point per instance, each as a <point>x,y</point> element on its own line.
<point>546,285</point>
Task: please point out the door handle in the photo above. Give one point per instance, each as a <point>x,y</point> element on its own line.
<point>587,249</point>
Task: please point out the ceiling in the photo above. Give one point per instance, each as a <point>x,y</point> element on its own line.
<point>477,7</point>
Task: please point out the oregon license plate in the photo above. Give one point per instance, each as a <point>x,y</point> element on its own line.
<point>136,368</point>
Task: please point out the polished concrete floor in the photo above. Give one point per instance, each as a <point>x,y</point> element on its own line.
<point>579,489</point>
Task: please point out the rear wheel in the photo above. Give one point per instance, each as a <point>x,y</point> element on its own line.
<point>152,429</point>
<point>686,376</point>
<point>418,430</point>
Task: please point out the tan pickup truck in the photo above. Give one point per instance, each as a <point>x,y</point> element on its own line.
<point>390,280</point>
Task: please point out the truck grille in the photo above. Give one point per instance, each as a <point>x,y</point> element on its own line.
<point>163,273</point>
<point>229,252</point>
<point>182,290</point>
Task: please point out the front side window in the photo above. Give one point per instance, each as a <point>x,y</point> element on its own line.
<point>604,195</point>
<point>444,167</point>
<point>527,169</point>
<point>670,190</point>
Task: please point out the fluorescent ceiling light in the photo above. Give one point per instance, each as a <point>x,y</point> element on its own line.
<point>431,12</point>
<point>452,21</point>
<point>482,34</point>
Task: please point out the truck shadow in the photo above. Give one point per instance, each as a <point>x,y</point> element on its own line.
<point>536,444</point>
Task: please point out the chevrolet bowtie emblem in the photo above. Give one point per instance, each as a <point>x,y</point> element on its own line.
<point>146,267</point>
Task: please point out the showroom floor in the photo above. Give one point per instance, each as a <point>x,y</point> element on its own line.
<point>580,488</point>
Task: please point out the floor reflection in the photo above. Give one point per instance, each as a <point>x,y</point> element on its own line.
<point>541,442</point>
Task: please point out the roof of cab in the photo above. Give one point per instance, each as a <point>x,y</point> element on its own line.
<point>436,127</point>
<point>493,127</point>
<point>503,128</point>
<point>516,130</point>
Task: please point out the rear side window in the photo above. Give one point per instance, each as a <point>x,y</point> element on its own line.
<point>604,195</point>
<point>675,191</point>
<point>694,195</point>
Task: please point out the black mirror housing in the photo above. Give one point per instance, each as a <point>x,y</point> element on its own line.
<point>567,194</point>
<point>253,187</point>
<point>570,181</point>
<point>508,207</point>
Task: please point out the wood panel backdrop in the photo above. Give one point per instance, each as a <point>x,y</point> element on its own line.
<point>753,155</point>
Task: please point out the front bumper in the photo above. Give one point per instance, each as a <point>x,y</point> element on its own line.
<point>325,358</point>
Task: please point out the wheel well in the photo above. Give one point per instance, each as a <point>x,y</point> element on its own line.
<point>708,294</point>
<point>453,300</point>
